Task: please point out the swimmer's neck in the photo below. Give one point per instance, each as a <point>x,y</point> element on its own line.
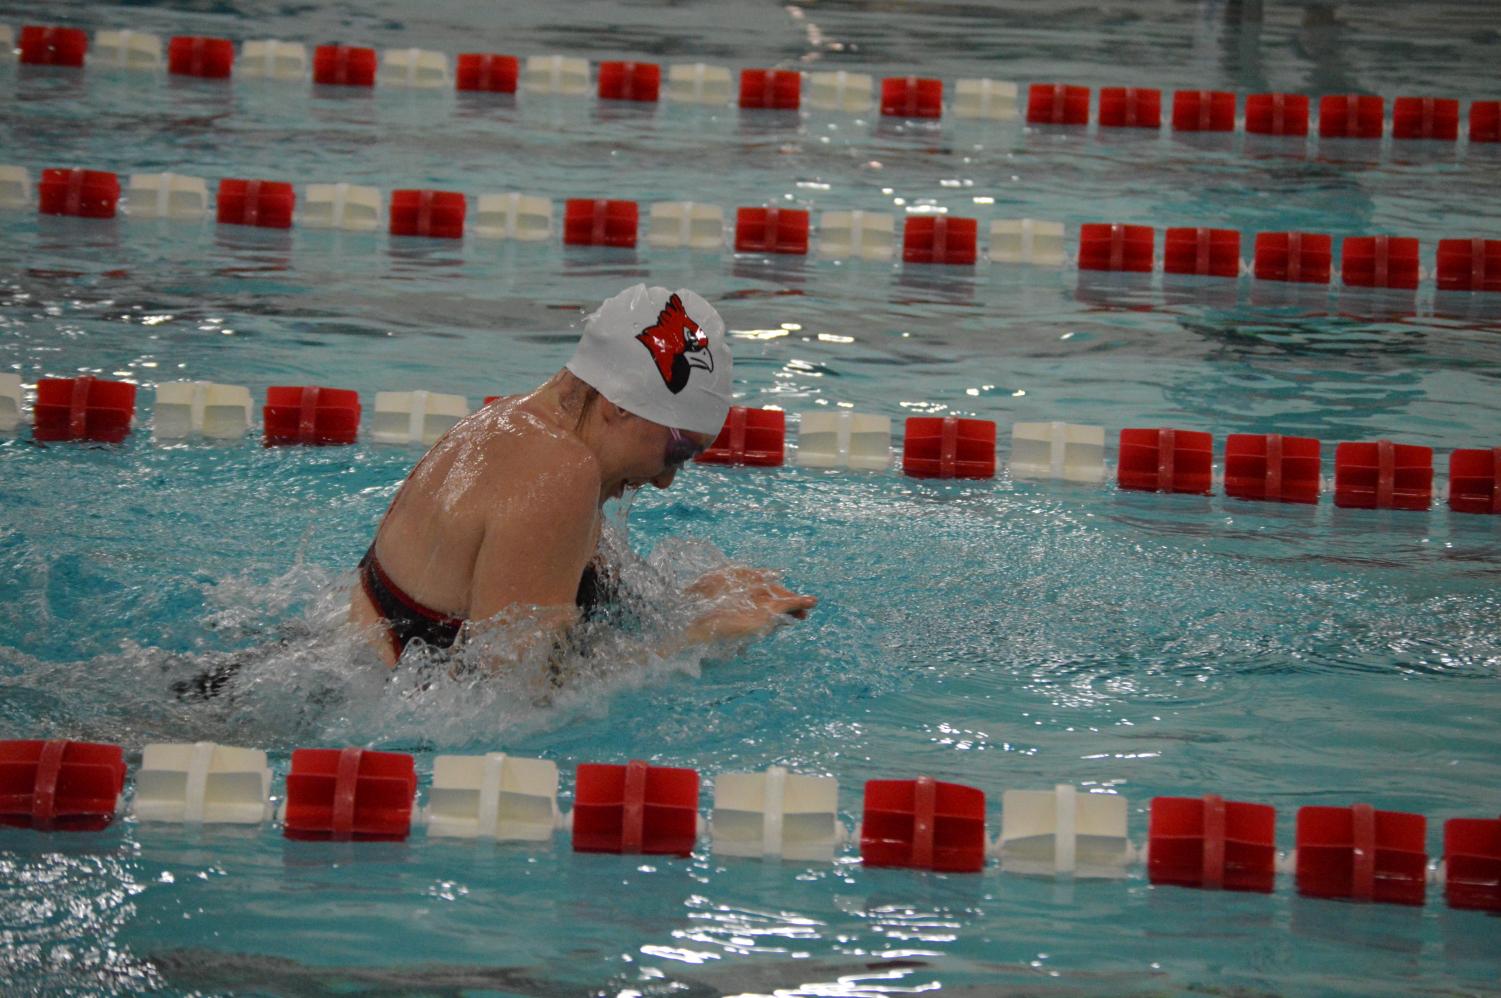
<point>564,403</point>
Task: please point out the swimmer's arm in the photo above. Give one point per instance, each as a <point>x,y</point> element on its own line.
<point>531,557</point>
<point>719,624</point>
<point>746,616</point>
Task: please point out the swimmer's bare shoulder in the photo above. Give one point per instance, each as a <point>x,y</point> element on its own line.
<point>500,450</point>
<point>564,461</point>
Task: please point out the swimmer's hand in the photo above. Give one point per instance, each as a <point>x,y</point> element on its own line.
<point>737,583</point>
<point>749,603</point>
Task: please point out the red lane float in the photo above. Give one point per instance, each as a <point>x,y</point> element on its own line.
<point>1362,854</point>
<point>79,193</point>
<point>1272,468</point>
<point>1472,863</point>
<point>1469,265</point>
<point>1277,114</point>
<point>1203,111</point>
<point>599,222</point>
<point>1383,475</point>
<point>923,824</point>
<point>1106,246</point>
<point>60,785</point>
<point>1203,252</point>
<point>774,89</point>
<point>1351,116</point>
<point>1425,118</point>
<point>47,46</point>
<point>637,809</point>
<point>1212,843</point>
<point>310,416</point>
<point>192,55</point>
<point>352,794</point>
<point>1130,107</point>
<point>754,437</point>
<point>911,97</point>
<point>486,72</point>
<point>83,408</point>
<point>630,81</point>
<point>1295,257</point>
<point>771,230</point>
<point>1379,262</point>
<point>1475,481</point>
<point>344,66</point>
<point>1485,121</point>
<point>1057,104</point>
<point>1166,460</point>
<point>940,239</point>
<point>948,447</point>
<point>265,204</point>
<point>430,214</point>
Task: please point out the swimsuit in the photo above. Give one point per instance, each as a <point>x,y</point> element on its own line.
<point>406,619</point>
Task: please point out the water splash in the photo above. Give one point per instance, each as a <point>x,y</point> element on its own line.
<point>291,670</point>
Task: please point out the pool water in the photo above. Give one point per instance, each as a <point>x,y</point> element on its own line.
<point>1005,634</point>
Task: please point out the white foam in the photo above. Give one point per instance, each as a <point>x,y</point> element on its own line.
<point>291,670</point>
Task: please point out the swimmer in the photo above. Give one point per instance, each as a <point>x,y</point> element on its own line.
<point>503,514</point>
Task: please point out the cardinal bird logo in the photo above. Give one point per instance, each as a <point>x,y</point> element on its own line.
<point>677,345</point>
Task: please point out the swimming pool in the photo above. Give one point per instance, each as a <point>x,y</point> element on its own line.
<point>1000,634</point>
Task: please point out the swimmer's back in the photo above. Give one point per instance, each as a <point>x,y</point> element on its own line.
<point>499,468</point>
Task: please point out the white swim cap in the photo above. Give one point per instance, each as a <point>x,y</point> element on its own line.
<point>661,355</point>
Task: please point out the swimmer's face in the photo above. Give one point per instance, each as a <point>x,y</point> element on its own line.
<point>657,452</point>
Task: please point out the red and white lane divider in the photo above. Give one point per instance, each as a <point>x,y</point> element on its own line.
<point>1340,116</point>
<point>1356,852</point>
<point>926,237</point>
<point>1268,467</point>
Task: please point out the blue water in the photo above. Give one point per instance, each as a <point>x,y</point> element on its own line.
<point>1001,634</point>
